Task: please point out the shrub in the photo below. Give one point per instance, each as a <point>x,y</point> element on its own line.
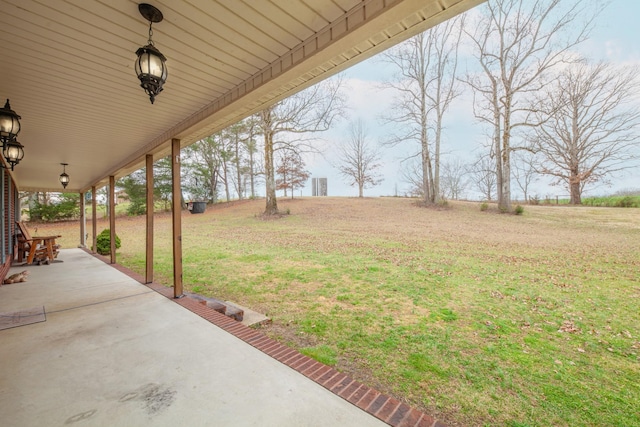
<point>103,241</point>
<point>484,206</point>
<point>519,210</point>
<point>137,207</point>
<point>625,202</point>
<point>66,207</point>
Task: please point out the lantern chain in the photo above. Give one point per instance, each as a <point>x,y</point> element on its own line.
<point>150,34</point>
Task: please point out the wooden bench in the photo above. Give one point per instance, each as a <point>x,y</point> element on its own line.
<point>41,249</point>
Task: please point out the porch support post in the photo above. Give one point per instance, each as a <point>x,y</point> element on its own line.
<point>3,219</point>
<point>83,222</point>
<point>176,212</point>
<point>94,220</point>
<point>112,217</point>
<point>150,206</point>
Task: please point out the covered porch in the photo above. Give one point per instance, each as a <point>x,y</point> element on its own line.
<point>77,107</point>
<point>113,351</point>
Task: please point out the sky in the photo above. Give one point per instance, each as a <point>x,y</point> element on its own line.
<point>615,39</point>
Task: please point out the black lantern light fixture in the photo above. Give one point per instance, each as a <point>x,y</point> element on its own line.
<point>9,124</point>
<point>150,65</point>
<point>64,177</point>
<point>12,150</point>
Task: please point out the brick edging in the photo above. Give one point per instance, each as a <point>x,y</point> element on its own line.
<point>381,406</point>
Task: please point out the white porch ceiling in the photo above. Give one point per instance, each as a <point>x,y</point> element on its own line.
<point>67,68</point>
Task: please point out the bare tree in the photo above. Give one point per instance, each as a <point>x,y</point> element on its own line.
<point>234,135</point>
<point>411,174</point>
<point>483,173</point>
<point>226,158</point>
<point>360,161</point>
<point>517,42</point>
<point>250,144</point>
<point>229,158</point>
<point>454,179</point>
<point>204,161</point>
<point>291,169</point>
<point>426,86</point>
<point>307,112</point>
<point>525,173</point>
<point>162,182</point>
<point>591,132</point>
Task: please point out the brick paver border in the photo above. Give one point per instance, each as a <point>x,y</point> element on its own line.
<point>381,406</point>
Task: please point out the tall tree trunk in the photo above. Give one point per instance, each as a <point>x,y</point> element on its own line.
<point>426,188</point>
<point>212,187</point>
<point>238,168</point>
<point>576,198</point>
<point>226,180</point>
<point>497,144</point>
<point>574,188</point>
<point>284,179</point>
<point>269,172</point>
<point>426,159</point>
<point>436,173</point>
<point>432,195</point>
<point>504,203</point>
<point>252,174</point>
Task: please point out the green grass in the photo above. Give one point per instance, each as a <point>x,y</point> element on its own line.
<point>121,209</point>
<point>475,317</point>
<point>613,201</point>
<point>321,353</point>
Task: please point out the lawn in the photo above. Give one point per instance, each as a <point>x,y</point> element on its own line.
<point>478,318</point>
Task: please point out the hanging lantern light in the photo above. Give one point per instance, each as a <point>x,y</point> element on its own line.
<point>9,124</point>
<point>150,65</point>
<point>13,152</point>
<point>64,177</point>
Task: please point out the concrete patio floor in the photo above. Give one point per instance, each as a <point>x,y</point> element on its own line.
<point>113,352</point>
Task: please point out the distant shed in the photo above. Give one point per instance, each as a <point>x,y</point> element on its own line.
<point>318,186</point>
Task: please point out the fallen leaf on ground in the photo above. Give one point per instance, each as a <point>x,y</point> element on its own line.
<point>568,326</point>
